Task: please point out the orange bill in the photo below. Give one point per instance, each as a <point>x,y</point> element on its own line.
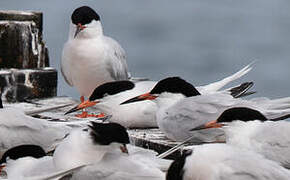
<point>146,96</point>
<point>211,124</point>
<point>82,105</point>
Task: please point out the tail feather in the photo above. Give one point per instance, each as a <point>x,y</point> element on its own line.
<point>276,109</point>
<point>219,84</point>
<point>240,90</point>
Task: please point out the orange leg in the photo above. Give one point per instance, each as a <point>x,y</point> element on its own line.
<point>85,114</point>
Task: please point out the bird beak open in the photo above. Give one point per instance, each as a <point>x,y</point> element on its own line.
<point>146,96</point>
<point>82,105</point>
<point>124,149</point>
<point>80,27</point>
<point>211,124</point>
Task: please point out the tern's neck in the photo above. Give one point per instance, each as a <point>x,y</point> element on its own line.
<point>165,100</point>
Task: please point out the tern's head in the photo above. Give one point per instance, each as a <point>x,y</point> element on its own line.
<point>237,113</point>
<point>176,169</point>
<point>23,151</point>
<point>103,91</point>
<point>167,87</point>
<point>110,134</point>
<point>86,23</point>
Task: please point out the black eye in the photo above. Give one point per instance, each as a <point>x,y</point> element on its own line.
<point>84,15</point>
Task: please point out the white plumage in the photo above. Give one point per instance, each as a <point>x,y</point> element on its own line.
<point>224,162</point>
<point>269,138</point>
<point>91,58</point>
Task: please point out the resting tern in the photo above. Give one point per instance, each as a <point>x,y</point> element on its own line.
<point>224,162</point>
<point>181,108</point>
<point>249,129</point>
<point>17,128</point>
<point>107,97</point>
<point>89,57</point>
<point>29,162</point>
<point>104,148</point>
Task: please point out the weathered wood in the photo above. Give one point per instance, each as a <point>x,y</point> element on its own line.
<point>24,84</point>
<point>22,47</point>
<point>21,44</point>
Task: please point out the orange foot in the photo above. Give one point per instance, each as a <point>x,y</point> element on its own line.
<point>85,114</point>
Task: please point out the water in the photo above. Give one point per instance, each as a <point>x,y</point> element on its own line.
<point>201,40</point>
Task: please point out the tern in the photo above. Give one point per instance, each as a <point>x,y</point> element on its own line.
<point>30,162</point>
<point>90,58</point>
<point>104,148</point>
<point>107,97</point>
<point>224,162</point>
<point>181,108</point>
<point>249,129</point>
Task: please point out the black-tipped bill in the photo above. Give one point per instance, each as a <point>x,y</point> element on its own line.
<point>80,27</point>
<point>142,97</point>
<point>82,105</point>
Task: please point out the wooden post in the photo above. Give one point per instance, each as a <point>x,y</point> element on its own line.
<point>22,47</point>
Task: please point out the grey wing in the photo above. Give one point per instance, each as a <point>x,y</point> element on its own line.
<point>192,112</point>
<point>16,128</point>
<point>117,66</point>
<point>64,65</point>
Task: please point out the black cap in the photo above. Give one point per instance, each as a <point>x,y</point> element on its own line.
<point>111,88</point>
<point>23,151</point>
<point>175,85</point>
<point>241,113</point>
<point>107,133</point>
<point>176,171</point>
<point>1,105</point>
<point>84,15</point>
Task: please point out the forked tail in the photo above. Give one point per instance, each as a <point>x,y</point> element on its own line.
<point>219,84</point>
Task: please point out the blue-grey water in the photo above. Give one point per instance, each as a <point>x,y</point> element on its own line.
<point>199,40</point>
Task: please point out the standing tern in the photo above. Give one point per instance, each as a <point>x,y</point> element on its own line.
<point>249,129</point>
<point>179,110</point>
<point>107,97</point>
<point>89,57</point>
<point>224,162</point>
